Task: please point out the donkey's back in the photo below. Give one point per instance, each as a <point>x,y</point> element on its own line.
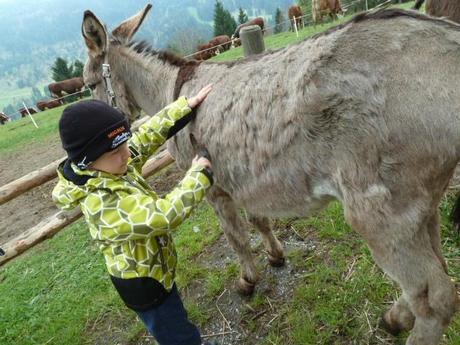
<point>371,97</point>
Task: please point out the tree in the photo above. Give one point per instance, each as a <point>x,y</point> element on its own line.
<point>185,42</point>
<point>224,24</point>
<point>36,94</point>
<point>242,16</point>
<point>61,70</point>
<point>78,68</point>
<point>279,19</point>
<point>305,5</point>
<point>9,109</point>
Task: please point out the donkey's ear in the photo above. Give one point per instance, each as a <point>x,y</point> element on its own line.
<point>126,30</point>
<point>95,34</point>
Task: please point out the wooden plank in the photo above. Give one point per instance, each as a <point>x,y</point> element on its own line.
<point>34,179</point>
<point>49,227</point>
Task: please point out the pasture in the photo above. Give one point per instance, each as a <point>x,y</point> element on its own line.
<point>329,292</point>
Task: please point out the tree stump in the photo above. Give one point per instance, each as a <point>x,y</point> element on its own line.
<point>252,40</point>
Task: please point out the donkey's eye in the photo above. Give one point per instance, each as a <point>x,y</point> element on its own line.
<point>91,86</point>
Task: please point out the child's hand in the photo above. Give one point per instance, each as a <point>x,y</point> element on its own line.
<point>196,100</point>
<point>202,161</point>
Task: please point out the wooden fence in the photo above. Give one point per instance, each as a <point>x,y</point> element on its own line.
<point>50,226</point>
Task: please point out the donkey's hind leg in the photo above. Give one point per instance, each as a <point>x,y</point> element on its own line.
<point>434,231</point>
<point>237,235</point>
<point>398,318</point>
<point>402,245</point>
<point>271,243</point>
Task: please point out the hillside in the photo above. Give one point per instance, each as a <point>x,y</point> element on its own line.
<point>35,33</point>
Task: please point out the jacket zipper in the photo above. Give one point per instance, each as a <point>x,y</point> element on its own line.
<point>133,182</point>
<point>162,259</point>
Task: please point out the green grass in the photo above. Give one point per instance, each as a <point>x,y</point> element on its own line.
<point>51,291</point>
<point>22,132</point>
<point>342,295</point>
<point>58,289</point>
<point>8,96</point>
<point>279,41</point>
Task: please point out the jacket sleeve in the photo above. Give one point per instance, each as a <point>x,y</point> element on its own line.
<point>122,216</point>
<point>152,134</point>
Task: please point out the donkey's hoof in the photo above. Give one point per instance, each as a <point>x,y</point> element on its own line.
<point>386,326</point>
<point>245,287</point>
<point>276,261</point>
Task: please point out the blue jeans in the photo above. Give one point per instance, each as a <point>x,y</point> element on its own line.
<point>169,324</point>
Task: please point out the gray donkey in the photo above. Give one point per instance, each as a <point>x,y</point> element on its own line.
<point>360,114</point>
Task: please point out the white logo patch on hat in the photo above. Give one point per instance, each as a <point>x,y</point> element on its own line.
<point>121,138</point>
<point>83,164</point>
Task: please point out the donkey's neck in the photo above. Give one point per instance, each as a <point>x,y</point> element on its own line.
<point>150,80</point>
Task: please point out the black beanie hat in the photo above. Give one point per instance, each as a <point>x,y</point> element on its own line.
<point>88,129</point>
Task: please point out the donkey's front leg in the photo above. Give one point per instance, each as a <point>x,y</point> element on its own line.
<point>237,235</point>
<point>271,243</point>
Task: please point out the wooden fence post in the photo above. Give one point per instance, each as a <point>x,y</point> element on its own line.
<point>252,40</point>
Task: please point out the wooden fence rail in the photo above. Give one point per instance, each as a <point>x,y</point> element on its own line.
<point>38,177</point>
<point>49,227</point>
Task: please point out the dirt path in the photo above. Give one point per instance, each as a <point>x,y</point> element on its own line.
<point>32,207</point>
<point>29,209</point>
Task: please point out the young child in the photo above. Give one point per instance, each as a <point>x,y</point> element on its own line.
<point>131,225</point>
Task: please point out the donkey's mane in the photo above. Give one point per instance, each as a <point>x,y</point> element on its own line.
<point>397,12</point>
<point>145,48</point>
<point>383,14</point>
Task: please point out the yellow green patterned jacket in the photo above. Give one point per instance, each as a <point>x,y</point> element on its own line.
<point>127,219</point>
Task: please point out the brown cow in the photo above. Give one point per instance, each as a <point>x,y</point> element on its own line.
<point>441,8</point>
<point>326,7</point>
<point>204,52</point>
<point>4,118</point>
<point>24,112</point>
<point>220,43</point>
<point>49,104</point>
<point>68,86</point>
<point>295,11</point>
<point>255,21</point>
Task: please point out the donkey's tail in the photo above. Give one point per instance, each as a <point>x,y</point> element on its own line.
<point>418,4</point>
<point>455,215</point>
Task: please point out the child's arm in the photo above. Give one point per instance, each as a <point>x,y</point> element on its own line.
<point>163,125</point>
<point>131,217</point>
<point>152,134</point>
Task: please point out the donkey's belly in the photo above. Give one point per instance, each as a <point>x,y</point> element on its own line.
<point>286,199</point>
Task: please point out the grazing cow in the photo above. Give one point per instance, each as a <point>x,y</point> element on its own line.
<point>24,112</point>
<point>319,8</point>
<point>441,8</point>
<point>220,43</point>
<point>4,118</point>
<point>236,42</point>
<point>67,86</point>
<point>352,114</point>
<point>255,21</point>
<point>295,11</point>
<point>49,104</point>
<point>204,52</point>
